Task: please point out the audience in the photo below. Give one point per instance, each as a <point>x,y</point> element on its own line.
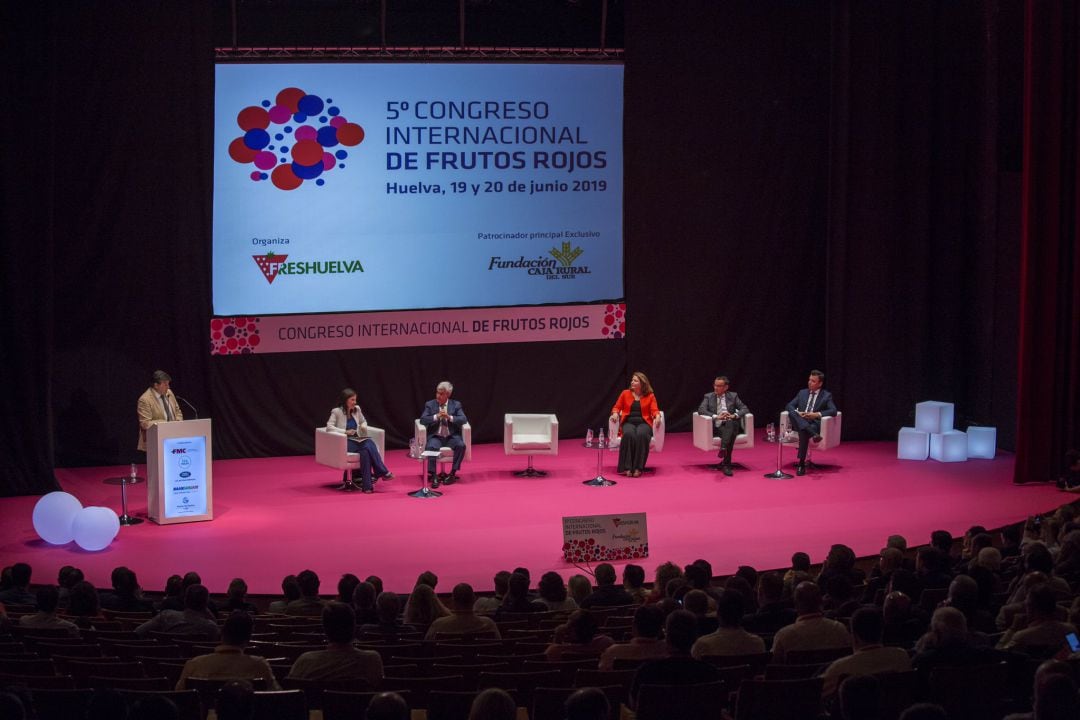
<point>517,597</point>
<point>578,587</point>
<point>194,619</point>
<point>236,597</point>
<point>19,591</point>
<point>424,607</point>
<point>493,704</point>
<point>645,642</point>
<point>48,598</point>
<point>869,656</point>
<point>387,706</point>
<point>678,668</point>
<point>1039,633</point>
<point>463,620</point>
<point>341,660</point>
<point>388,622</point>
<point>489,605</point>
<point>633,577</point>
<point>772,613</point>
<point>697,602</point>
<point>580,635</point>
<point>235,701</point>
<point>363,599</point>
<point>290,591</point>
<point>553,593</point>
<point>346,587</point>
<point>811,629</point>
<point>587,703</point>
<point>607,593</point>
<point>729,638</point>
<point>308,604</point>
<point>228,661</point>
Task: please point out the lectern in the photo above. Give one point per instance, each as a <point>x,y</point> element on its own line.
<point>179,477</point>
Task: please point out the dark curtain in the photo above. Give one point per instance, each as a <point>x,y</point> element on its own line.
<point>811,184</point>
<point>1049,354</point>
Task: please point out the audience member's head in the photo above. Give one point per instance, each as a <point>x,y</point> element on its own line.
<point>501,581</point>
<point>124,581</point>
<point>730,609</point>
<point>581,627</point>
<point>346,586</point>
<point>237,629</point>
<point>376,582</point>
<point>770,588</point>
<point>68,576</point>
<point>989,558</point>
<point>665,573</point>
<point>1011,535</point>
<point>942,540</point>
<point>339,623</point>
<point>463,598</point>
<point>387,705</point>
<point>904,581</point>
<point>290,588</point>
<point>428,578</point>
<point>236,701</point>
<point>551,587</point>
<point>587,703</point>
<point>517,588</point>
<point>524,571</point>
<point>387,608</point>
<point>20,575</point>
<point>493,704</point>
<point>1056,699</point>
<point>747,573</point>
<point>605,575</point>
<point>897,541</point>
<point>948,627</point>
<point>83,600</point>
<point>578,586</point>
<point>196,598</point>
<point>648,621</point>
<point>47,598</point>
<point>633,576</point>
<point>800,562</point>
<point>930,560</point>
<point>309,583</point>
<point>739,585</point>
<point>1041,603</point>
<point>897,607</point>
<point>363,597</point>
<point>963,594</point>
<point>867,626</point>
<point>237,591</point>
<point>695,577</point>
<point>807,598</point>
<point>890,560</point>
<point>859,697</point>
<point>423,606</point>
<point>680,631</point>
<point>697,602</point>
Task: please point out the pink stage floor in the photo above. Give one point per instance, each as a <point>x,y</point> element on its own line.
<point>275,516</point>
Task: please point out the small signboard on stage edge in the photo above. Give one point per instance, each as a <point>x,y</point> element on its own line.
<point>605,538</point>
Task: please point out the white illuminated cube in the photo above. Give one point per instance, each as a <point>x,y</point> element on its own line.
<point>912,444</point>
<point>981,442</point>
<point>949,446</point>
<point>932,416</point>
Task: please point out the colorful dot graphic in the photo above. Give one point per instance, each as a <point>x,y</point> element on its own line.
<point>318,141</point>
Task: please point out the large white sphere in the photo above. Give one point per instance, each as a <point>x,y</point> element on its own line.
<point>53,516</point>
<point>95,527</point>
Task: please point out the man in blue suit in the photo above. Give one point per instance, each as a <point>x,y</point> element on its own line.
<point>444,419</point>
<point>805,412</point>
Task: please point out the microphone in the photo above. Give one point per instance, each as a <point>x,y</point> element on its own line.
<point>189,405</point>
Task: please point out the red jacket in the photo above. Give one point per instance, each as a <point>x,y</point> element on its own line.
<point>649,409</point>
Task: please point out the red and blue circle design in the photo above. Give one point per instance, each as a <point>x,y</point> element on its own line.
<point>295,137</point>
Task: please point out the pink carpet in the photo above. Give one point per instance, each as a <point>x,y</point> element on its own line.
<point>275,516</point>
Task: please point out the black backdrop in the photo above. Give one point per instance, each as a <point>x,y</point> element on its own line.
<point>814,184</point>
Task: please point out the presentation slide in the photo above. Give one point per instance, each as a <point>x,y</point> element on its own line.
<point>365,187</point>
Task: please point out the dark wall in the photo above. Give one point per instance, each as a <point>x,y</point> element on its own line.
<point>809,184</point>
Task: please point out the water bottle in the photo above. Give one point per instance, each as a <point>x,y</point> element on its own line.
<point>770,433</point>
<point>588,438</point>
<point>600,439</point>
<point>132,472</point>
<point>412,448</point>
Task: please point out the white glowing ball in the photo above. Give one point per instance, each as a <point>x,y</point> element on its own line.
<point>95,527</point>
<point>53,516</point>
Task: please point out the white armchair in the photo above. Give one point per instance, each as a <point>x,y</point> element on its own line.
<point>830,432</point>
<point>332,450</point>
<point>705,438</point>
<point>530,434</point>
<point>655,445</point>
<point>446,455</point>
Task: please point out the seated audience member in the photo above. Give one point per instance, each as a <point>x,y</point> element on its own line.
<point>1039,633</point>
<point>363,603</point>
<point>517,597</point>
<point>83,606</point>
<point>587,703</point>
<point>126,595</point>
<point>65,580</point>
<point>376,582</point>
<point>607,593</point>
<point>942,541</point>
<point>1056,698</point>
<point>1011,537</point>
<point>489,605</point>
<point>346,586</point>
<point>904,623</point>
<point>697,602</point>
<point>665,573</point>
<point>48,598</point>
<point>964,596</point>
<point>174,594</point>
<point>743,587</point>
<point>228,661</point>
<point>235,701</point>
<point>1035,558</point>
<point>889,561</point>
<point>18,593</point>
<point>729,638</point>
<point>1067,565</point>
<point>578,587</point>
<point>290,591</point>
<point>967,552</point>
<point>1044,672</point>
<point>924,711</point>
<point>1007,615</point>
<point>645,642</point>
<point>340,660</point>
<point>932,568</point>
<point>424,607</point>
<point>581,636</point>
<point>194,619</point>
<point>462,620</point>
<point>633,577</point>
<point>870,657</point>
<point>236,598</point>
<point>948,643</point>
<point>679,668</point>
<point>839,600</point>
<point>388,706</point>
<point>800,563</point>
<point>840,561</point>
<point>811,630</point>
<point>859,697</point>
<point>428,578</point>
<point>308,604</point>
<point>493,704</point>
<point>773,613</point>
<point>553,593</point>
<point>389,624</point>
<point>698,576</point>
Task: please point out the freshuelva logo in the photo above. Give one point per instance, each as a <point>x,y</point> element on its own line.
<point>273,265</point>
<point>270,264</point>
<point>292,138</point>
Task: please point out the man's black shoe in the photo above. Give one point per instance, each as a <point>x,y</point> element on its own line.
<point>800,469</point>
<point>726,469</point>
<point>450,479</point>
<point>433,480</point>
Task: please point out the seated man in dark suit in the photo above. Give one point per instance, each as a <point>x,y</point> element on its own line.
<point>444,419</point>
<point>805,412</point>
<point>679,668</point>
<point>727,411</point>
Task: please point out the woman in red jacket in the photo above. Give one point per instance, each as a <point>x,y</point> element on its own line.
<point>637,414</point>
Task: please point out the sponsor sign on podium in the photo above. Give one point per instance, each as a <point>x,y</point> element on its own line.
<point>179,472</point>
<point>605,537</point>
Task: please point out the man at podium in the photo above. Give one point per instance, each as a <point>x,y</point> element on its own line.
<point>157,404</point>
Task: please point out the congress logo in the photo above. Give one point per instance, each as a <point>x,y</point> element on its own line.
<point>293,138</point>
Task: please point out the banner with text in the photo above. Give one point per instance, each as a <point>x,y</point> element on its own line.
<point>588,538</point>
<point>417,328</point>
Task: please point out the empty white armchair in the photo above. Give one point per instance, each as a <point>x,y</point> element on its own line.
<point>655,445</point>
<point>830,432</point>
<point>530,434</point>
<point>706,439</point>
<point>332,450</point>
<point>446,455</point>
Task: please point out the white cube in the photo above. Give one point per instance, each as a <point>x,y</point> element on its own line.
<point>932,416</point>
<point>912,444</point>
<point>950,446</point>
<point>981,442</point>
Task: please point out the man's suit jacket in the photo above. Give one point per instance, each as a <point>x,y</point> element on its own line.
<point>710,405</point>
<point>151,412</point>
<point>453,409</point>
<point>823,404</point>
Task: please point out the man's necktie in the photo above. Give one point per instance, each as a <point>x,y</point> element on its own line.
<point>168,408</point>
<point>810,402</point>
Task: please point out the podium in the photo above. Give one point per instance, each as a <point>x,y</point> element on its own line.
<point>179,472</point>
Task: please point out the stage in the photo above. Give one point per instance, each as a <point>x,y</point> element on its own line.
<point>275,516</point>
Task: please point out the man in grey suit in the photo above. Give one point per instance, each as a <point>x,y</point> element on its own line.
<point>727,412</point>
